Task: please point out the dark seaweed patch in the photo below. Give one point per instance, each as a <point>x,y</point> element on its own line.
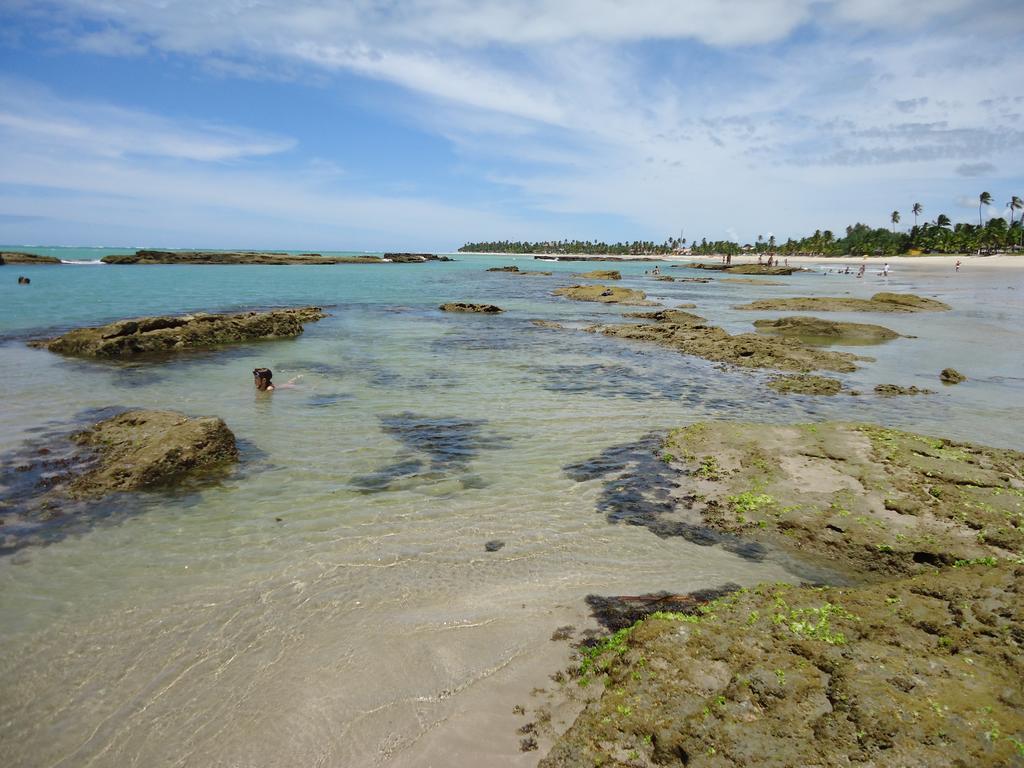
<point>616,612</point>
<point>435,449</point>
<point>638,490</point>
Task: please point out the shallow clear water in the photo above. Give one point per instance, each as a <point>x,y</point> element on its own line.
<point>331,602</point>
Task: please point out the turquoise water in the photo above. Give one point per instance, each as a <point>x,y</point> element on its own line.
<point>331,601</point>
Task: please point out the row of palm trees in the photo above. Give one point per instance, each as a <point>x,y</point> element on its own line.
<point>984,199</point>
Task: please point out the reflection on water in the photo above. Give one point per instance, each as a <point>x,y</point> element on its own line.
<point>332,601</point>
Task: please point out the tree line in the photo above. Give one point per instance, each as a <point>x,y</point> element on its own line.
<point>938,236</point>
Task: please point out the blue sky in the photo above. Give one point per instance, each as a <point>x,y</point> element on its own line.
<point>375,124</point>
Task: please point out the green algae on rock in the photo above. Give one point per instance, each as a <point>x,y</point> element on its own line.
<point>148,449</point>
<point>459,306</point>
<point>815,330</point>
<point>747,350</point>
<point>951,376</point>
<point>805,384</point>
<point>17,257</point>
<point>919,672</point>
<point>602,274</point>
<point>175,333</point>
<point>880,302</point>
<point>675,315</point>
<point>891,390</point>
<point>606,295</point>
<point>878,500</point>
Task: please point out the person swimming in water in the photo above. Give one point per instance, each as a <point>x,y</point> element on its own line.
<point>263,379</point>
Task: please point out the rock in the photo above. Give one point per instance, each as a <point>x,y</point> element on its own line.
<point>761,269</point>
<point>148,449</point>
<point>749,281</point>
<point>880,302</point>
<point>890,390</point>
<point>494,545</point>
<point>951,376</point>
<point>413,258</point>
<point>805,384</point>
<point>665,278</point>
<point>503,269</point>
<point>747,350</point>
<point>517,271</point>
<point>17,257</point>
<point>606,295</point>
<point>457,306</point>
<point>602,274</point>
<point>175,333</point>
<point>550,324</point>
<point>785,485</point>
<point>906,673</point>
<point>22,280</point>
<point>670,316</point>
<point>815,330</point>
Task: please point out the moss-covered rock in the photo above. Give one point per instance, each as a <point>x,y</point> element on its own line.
<point>951,376</point>
<point>605,295</point>
<point>805,384</point>
<point>891,390</point>
<point>602,274</point>
<point>921,672</point>
<point>459,306</point>
<point>815,330</point>
<point>859,496</point>
<point>880,302</point>
<point>675,315</point>
<point>176,333</point>
<point>17,257</point>
<point>748,350</point>
<point>148,449</point>
<point>503,269</point>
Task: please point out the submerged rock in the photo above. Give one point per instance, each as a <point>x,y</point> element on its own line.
<point>174,333</point>
<point>805,384</point>
<point>17,257</point>
<point>951,376</point>
<point>828,331</point>
<point>748,350</point>
<point>518,271</point>
<point>605,295</point>
<point>670,316</point>
<point>549,324</point>
<point>665,278</point>
<point>503,269</point>
<point>149,449</point>
<point>880,302</point>
<point>889,390</point>
<point>458,306</point>
<point>602,274</point>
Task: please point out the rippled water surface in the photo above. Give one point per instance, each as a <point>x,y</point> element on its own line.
<point>331,601</point>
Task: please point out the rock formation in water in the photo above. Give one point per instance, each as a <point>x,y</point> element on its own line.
<point>16,257</point>
<point>602,274</point>
<point>880,302</point>
<point>830,330</point>
<point>459,306</point>
<point>892,390</point>
<point>805,384</point>
<point>175,333</point>
<point>951,376</point>
<point>149,449</point>
<point>606,295</point>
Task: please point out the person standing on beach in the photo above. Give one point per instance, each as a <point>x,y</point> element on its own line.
<point>885,269</point>
<point>957,266</point>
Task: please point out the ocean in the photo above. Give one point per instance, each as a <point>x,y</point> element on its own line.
<point>331,602</point>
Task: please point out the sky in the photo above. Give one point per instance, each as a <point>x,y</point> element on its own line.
<point>424,124</point>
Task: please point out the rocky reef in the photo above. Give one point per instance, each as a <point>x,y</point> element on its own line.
<point>602,274</point>
<point>816,330</point>
<point>880,302</point>
<point>891,390</point>
<point>951,376</point>
<point>517,271</point>
<point>605,295</point>
<point>918,664</point>
<point>745,269</point>
<point>270,258</point>
<point>17,257</point>
<point>689,334</point>
<point>459,306</point>
<point>805,384</point>
<point>175,333</point>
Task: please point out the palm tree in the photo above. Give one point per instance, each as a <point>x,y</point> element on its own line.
<point>895,218</point>
<point>943,221</point>
<point>983,199</point>
<point>1015,204</point>
<point>917,209</point>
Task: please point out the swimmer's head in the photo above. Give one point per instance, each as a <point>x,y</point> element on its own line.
<point>262,377</point>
